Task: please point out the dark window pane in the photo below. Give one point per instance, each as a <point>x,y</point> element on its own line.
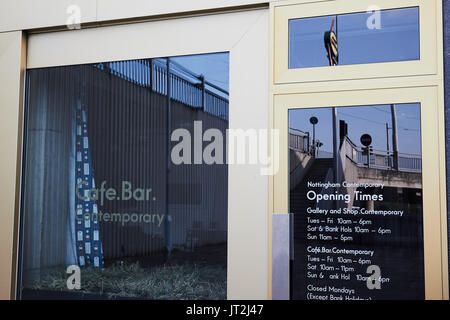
<point>97,194</point>
<point>355,192</point>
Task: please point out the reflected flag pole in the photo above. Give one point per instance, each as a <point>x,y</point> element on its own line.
<point>394,137</point>
<point>334,113</point>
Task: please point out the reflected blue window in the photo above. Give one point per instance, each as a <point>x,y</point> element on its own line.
<point>367,37</point>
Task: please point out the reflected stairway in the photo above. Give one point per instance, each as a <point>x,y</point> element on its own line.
<point>298,204</point>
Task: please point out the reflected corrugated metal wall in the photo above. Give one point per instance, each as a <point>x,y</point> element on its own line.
<point>126,116</point>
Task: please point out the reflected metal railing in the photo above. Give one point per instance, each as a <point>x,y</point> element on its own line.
<point>381,159</point>
<point>299,140</point>
<point>186,87</point>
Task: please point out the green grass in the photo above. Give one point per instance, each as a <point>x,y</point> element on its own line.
<point>172,282</point>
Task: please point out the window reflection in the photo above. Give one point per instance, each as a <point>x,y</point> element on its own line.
<point>98,197</point>
<point>367,37</point>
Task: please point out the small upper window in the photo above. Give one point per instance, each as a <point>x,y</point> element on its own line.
<point>356,38</point>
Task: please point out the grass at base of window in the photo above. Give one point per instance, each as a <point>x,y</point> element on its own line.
<point>172,282</point>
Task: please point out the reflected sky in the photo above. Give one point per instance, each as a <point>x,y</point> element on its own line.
<point>364,119</point>
<point>214,66</point>
<point>396,40</point>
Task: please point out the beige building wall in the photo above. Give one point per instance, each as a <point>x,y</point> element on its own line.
<point>31,14</point>
<point>12,62</point>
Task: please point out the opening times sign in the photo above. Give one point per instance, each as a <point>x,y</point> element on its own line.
<point>358,221</point>
<point>358,253</point>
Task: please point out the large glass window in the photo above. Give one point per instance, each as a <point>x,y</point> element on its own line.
<point>117,200</point>
<point>366,37</point>
<point>356,195</point>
